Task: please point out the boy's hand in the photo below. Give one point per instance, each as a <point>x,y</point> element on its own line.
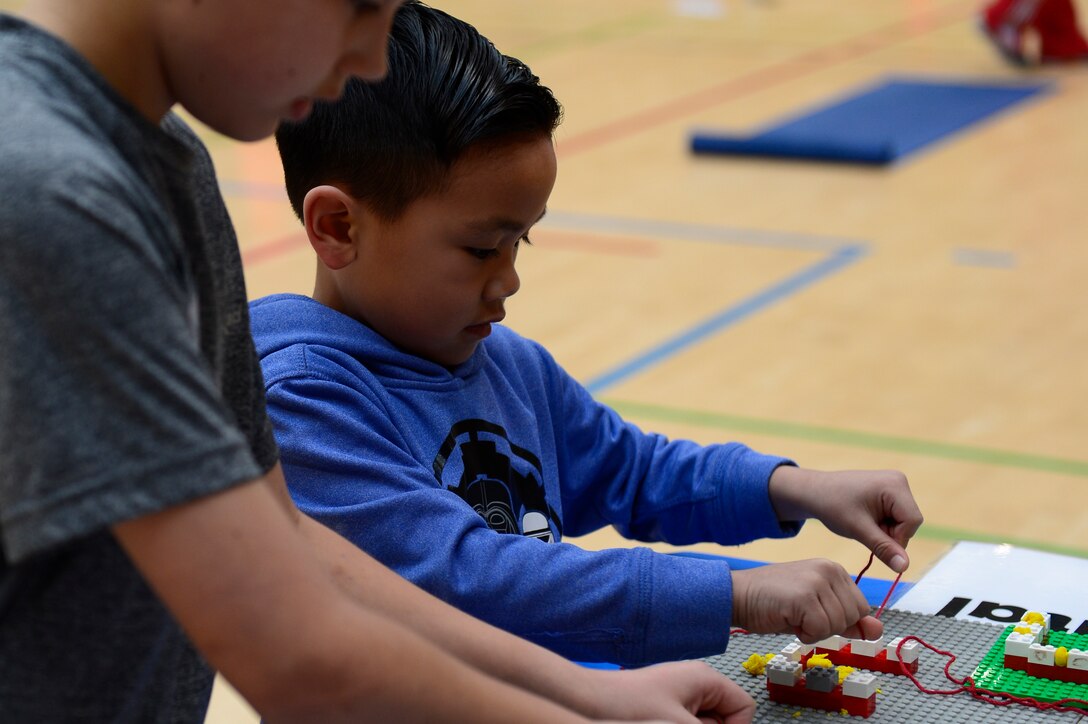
<point>812,599</point>
<point>688,691</point>
<point>874,507</point>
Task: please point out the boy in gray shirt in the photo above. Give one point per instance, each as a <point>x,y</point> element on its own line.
<point>141,503</point>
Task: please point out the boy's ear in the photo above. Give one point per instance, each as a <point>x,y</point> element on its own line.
<point>329,217</point>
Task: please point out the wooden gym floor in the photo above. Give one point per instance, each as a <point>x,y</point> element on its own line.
<point>927,317</point>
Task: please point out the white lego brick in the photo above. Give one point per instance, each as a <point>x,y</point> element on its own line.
<point>834,643</point>
<point>781,670</point>
<point>861,647</point>
<point>1017,644</point>
<point>1039,654</point>
<point>907,654</point>
<point>795,651</point>
<point>1045,625</point>
<point>1077,660</point>
<point>1036,631</point>
<point>861,684</point>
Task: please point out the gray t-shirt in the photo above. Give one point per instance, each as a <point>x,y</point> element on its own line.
<point>128,384</point>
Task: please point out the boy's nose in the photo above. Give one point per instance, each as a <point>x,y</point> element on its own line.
<point>366,57</point>
<point>369,64</point>
<point>503,285</point>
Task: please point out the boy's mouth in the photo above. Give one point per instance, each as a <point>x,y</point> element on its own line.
<point>300,109</point>
<point>479,330</point>
<point>483,329</point>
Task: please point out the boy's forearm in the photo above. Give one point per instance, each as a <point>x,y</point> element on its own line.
<point>789,488</point>
<point>400,676</point>
<point>494,652</point>
<point>668,692</point>
<point>491,650</point>
<point>286,635</point>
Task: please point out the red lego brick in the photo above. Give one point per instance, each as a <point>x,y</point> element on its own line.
<point>1057,673</point>
<point>798,695</point>
<point>1020,663</point>
<point>1042,671</point>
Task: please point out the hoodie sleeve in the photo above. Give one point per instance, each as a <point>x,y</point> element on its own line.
<point>651,488</point>
<point>349,468</point>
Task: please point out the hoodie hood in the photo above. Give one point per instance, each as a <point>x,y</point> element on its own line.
<point>282,321</point>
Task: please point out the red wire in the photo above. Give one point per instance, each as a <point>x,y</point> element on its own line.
<point>872,555</point>
<point>888,596</point>
<point>966,684</point>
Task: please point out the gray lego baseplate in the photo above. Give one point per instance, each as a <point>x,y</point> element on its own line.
<point>898,699</point>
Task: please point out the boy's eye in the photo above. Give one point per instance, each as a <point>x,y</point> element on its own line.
<point>362,6</point>
<point>491,253</point>
<point>482,254</point>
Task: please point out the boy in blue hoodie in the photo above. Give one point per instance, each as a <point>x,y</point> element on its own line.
<point>459,453</point>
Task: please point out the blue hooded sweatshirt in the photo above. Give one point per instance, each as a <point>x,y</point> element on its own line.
<point>465,481</point>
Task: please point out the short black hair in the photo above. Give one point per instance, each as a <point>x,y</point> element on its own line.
<point>389,143</point>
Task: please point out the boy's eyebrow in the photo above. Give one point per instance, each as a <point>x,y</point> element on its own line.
<point>504,224</point>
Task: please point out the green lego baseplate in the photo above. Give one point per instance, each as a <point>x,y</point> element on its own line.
<point>898,700</point>
<point>991,672</point>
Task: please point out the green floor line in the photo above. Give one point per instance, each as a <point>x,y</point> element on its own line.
<point>888,443</point>
<point>952,535</point>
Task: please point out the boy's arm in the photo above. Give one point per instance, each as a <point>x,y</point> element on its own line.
<point>354,471</point>
<point>673,692</point>
<point>286,635</point>
<point>651,488</point>
<point>727,493</point>
<point>258,602</point>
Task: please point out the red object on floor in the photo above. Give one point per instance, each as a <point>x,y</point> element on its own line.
<point>1006,22</point>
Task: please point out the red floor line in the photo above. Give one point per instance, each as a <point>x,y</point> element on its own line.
<point>565,240</point>
<point>797,67</point>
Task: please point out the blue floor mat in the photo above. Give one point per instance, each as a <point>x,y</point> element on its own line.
<point>878,125</point>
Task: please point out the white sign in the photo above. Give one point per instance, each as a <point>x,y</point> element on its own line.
<point>998,583</point>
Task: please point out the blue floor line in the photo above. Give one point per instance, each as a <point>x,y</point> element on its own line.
<point>831,264</point>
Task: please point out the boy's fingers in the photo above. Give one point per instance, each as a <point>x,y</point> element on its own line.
<point>905,530</point>
<point>891,553</point>
<point>903,518</point>
<point>867,629</point>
